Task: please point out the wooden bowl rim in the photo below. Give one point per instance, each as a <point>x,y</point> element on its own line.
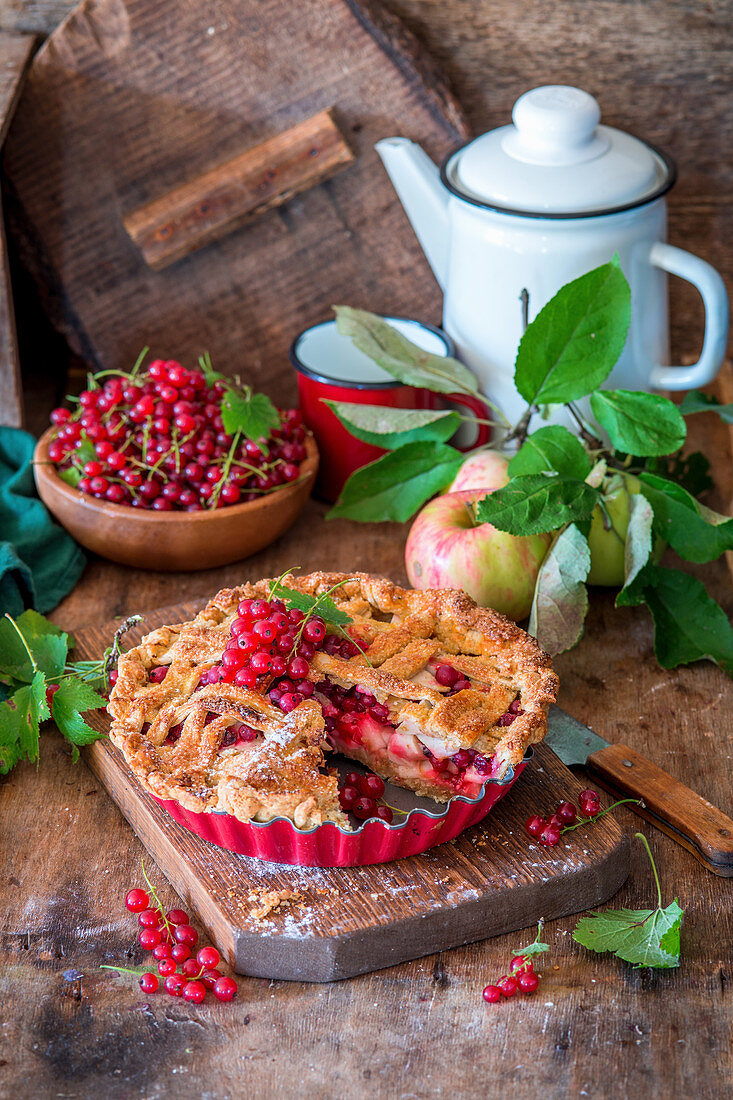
<point>44,468</point>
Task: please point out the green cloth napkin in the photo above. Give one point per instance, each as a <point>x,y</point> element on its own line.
<point>39,562</point>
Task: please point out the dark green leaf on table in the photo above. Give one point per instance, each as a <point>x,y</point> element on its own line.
<point>393,352</point>
<point>639,423</point>
<point>642,937</point>
<point>535,504</point>
<point>688,624</point>
<point>696,533</point>
<point>695,402</point>
<point>574,341</point>
<point>70,702</point>
<point>20,719</point>
<point>551,448</point>
<point>254,416</point>
<point>560,602</point>
<point>396,485</point>
<point>390,428</point>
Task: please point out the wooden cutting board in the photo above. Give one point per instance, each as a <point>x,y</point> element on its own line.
<point>176,181</point>
<point>346,921</point>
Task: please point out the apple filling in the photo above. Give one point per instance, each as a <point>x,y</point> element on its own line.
<point>358,725</point>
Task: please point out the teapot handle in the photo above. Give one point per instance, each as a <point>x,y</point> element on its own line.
<point>712,288</point>
<point>479,409</point>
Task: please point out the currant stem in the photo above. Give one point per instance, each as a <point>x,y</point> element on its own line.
<point>25,644</point>
<point>645,842</point>
<point>598,816</point>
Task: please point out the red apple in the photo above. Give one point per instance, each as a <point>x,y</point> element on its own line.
<point>481,470</point>
<point>446,549</point>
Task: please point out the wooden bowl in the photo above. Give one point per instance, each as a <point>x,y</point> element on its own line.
<point>172,541</point>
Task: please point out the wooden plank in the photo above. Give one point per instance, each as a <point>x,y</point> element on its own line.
<point>233,77</point>
<point>15,55</point>
<point>232,194</point>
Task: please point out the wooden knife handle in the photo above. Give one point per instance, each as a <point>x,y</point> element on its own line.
<point>680,813</point>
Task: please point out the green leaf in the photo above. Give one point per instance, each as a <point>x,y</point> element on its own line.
<point>560,602</point>
<point>638,545</point>
<point>72,699</point>
<point>72,475</point>
<point>551,448</point>
<point>573,342</point>
<point>396,485</point>
<point>321,605</point>
<point>688,624</point>
<point>46,642</point>
<point>639,423</point>
<point>690,471</point>
<point>535,504</point>
<point>694,531</point>
<point>255,416</point>
<point>695,402</point>
<point>643,937</point>
<point>391,428</point>
<point>393,352</point>
<point>20,719</point>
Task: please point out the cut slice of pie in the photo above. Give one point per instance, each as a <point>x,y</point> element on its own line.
<point>233,710</point>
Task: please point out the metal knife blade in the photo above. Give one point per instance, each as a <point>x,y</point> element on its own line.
<point>570,739</point>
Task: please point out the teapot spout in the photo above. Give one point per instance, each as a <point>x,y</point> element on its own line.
<point>417,182</point>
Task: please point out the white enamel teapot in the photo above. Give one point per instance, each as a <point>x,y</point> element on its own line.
<point>532,205</point>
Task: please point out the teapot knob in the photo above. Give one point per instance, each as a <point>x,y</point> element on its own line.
<point>555,125</point>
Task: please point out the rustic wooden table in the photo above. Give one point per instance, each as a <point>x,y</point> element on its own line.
<point>596,1028</point>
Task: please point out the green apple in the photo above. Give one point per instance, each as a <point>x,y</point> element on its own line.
<point>607,543</point>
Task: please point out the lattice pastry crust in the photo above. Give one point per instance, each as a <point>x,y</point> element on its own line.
<point>403,634</point>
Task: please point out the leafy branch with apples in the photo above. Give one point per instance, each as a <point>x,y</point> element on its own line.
<point>525,524</point>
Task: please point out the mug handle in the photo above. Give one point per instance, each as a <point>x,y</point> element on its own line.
<point>478,408</point>
<point>712,288</point>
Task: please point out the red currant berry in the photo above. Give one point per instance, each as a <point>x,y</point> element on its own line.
<point>589,803</point>
<point>550,836</point>
<point>491,994</point>
<point>507,985</point>
<point>194,992</point>
<point>149,983</point>
<point>208,957</point>
<point>528,982</point>
<point>225,988</point>
<point>348,796</point>
<point>137,900</point>
<point>534,825</point>
<point>351,779</point>
<point>149,938</point>
<point>260,662</point>
<point>364,808</point>
<point>210,978</point>
<point>174,984</point>
<point>385,814</point>
<point>162,951</point>
<point>166,967</point>
<point>556,820</point>
<point>180,952</point>
<point>177,916</point>
<point>149,918</point>
<point>191,968</point>
<point>371,786</point>
<point>447,676</point>
<point>185,934</point>
<point>519,964</point>
<point>298,668</point>
<point>314,630</point>
<point>567,813</point>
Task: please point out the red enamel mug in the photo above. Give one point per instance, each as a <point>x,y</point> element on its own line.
<point>331,368</point>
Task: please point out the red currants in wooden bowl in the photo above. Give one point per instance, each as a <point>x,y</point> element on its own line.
<point>174,469</point>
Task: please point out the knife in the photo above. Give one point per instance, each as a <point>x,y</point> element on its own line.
<point>680,813</point>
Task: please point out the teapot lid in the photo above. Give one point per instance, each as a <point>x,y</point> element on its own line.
<point>556,161</point>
